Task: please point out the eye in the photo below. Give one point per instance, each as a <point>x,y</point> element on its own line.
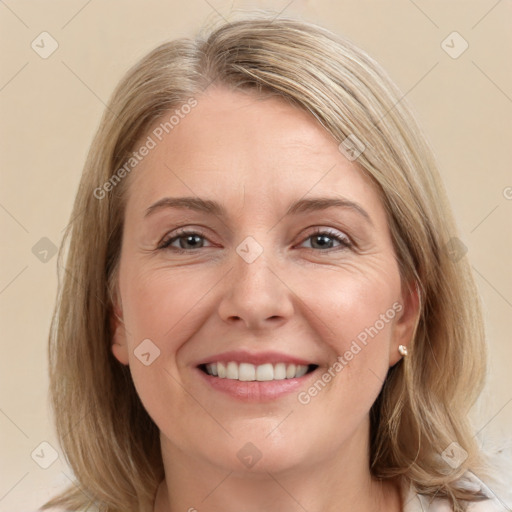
<point>320,239</point>
<point>187,240</point>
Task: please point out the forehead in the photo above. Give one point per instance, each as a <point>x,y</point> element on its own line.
<point>235,144</point>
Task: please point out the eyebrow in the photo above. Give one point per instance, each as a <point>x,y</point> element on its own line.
<point>214,208</point>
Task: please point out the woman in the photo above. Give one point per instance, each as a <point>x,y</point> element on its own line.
<point>260,308</point>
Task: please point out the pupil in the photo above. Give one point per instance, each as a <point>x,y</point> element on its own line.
<point>324,238</point>
<point>190,238</point>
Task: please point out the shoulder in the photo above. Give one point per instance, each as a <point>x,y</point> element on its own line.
<point>414,502</point>
<point>497,486</point>
<point>495,482</point>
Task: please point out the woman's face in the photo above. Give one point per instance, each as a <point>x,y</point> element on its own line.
<point>267,282</point>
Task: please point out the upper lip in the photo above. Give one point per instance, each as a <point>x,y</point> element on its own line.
<point>256,358</point>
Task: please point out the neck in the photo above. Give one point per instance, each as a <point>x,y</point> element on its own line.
<point>340,483</point>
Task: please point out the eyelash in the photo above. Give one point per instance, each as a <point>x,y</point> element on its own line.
<point>344,240</point>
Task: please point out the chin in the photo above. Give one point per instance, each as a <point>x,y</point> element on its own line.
<point>259,455</point>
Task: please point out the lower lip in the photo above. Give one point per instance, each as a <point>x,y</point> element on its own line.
<point>255,391</point>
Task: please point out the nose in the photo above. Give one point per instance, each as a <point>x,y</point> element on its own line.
<point>256,294</point>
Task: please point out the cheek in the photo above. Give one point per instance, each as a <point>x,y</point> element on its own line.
<point>165,306</point>
<point>162,305</point>
<point>157,307</point>
<point>353,311</point>
<point>175,412</point>
<point>352,304</point>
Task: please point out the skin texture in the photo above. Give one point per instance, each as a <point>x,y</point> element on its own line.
<point>256,155</point>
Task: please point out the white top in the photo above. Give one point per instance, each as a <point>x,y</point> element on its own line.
<point>414,502</point>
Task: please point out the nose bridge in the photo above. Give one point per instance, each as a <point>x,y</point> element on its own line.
<point>252,262</point>
<point>254,293</point>
<point>252,277</point>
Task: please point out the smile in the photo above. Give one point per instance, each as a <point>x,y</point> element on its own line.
<point>248,372</point>
<point>249,376</point>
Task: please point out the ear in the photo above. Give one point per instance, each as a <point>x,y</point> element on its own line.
<point>408,311</point>
<point>119,342</point>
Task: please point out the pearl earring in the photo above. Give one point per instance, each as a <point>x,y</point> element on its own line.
<point>403,350</point>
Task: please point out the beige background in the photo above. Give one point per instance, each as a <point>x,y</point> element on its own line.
<point>51,107</point>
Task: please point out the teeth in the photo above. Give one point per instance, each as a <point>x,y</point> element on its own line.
<point>291,369</point>
<point>232,371</point>
<point>246,371</point>
<point>264,372</point>
<point>249,372</point>
<point>212,369</point>
<point>301,370</point>
<point>279,371</point>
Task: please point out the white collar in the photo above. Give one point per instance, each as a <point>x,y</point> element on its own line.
<point>414,502</point>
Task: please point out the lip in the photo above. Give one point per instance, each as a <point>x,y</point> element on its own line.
<point>255,391</point>
<point>256,358</point>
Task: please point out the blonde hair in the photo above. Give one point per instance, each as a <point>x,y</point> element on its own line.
<point>109,440</point>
